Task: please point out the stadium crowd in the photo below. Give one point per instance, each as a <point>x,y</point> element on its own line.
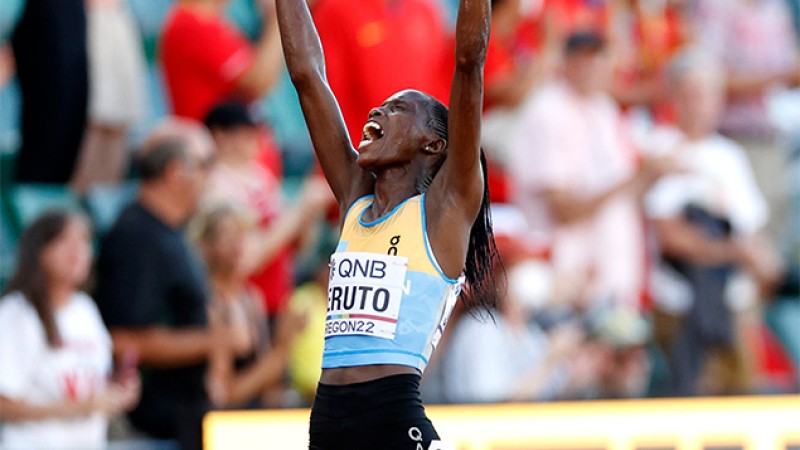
<point>645,177</point>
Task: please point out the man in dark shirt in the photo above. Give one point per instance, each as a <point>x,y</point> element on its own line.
<point>150,287</point>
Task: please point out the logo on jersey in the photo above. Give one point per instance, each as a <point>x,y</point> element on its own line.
<point>393,242</point>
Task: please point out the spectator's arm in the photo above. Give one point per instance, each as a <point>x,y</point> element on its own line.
<point>267,63</point>
<point>568,207</point>
<point>165,348</point>
<point>310,205</point>
<point>742,85</point>
<point>754,254</point>
<point>513,89</point>
<point>15,411</point>
<point>229,388</point>
<point>113,400</point>
<point>680,239</point>
<point>264,373</point>
<point>7,65</point>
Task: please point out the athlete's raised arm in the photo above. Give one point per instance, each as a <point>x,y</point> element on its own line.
<point>460,180</point>
<point>306,64</point>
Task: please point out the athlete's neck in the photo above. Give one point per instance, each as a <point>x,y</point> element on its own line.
<point>392,187</point>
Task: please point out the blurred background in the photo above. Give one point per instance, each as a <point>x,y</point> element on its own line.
<point>645,182</point>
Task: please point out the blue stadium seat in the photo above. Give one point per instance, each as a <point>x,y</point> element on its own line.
<point>105,202</point>
<point>29,200</point>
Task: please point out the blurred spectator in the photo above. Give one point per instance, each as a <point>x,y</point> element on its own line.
<point>207,60</point>
<point>511,358</point>
<point>49,45</point>
<point>116,93</point>
<point>240,179</point>
<point>310,299</point>
<point>647,34</point>
<point>55,352</point>
<point>578,183</point>
<point>245,367</point>
<point>375,48</point>
<point>511,73</point>
<point>510,77</point>
<point>305,357</point>
<point>708,220</point>
<point>756,42</point>
<point>150,287</point>
<point>617,345</point>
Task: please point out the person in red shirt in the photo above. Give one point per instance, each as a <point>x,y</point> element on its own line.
<point>378,47</point>
<point>207,60</point>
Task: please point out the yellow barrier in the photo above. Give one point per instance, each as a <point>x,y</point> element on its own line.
<point>747,423</point>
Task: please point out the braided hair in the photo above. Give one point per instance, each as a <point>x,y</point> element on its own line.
<point>483,262</point>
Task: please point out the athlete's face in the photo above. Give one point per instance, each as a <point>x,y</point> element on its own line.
<point>396,131</point>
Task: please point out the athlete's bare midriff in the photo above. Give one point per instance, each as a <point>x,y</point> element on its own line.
<point>360,374</point>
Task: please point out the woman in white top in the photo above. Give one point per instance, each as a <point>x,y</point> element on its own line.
<point>55,352</point>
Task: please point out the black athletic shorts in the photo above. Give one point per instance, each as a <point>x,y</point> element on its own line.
<point>385,414</point>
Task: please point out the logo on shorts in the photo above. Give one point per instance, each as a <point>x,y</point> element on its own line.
<point>415,434</point>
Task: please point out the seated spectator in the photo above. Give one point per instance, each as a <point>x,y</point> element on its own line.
<point>150,289</point>
<point>709,219</point>
<point>510,358</point>
<point>618,340</point>
<point>246,366</point>
<point>206,59</point>
<point>55,352</point>
<point>578,181</point>
<point>240,179</point>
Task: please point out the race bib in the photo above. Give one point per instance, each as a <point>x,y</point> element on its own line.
<point>364,294</point>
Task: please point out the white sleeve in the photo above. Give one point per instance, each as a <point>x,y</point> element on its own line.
<point>750,212</point>
<point>666,199</point>
<point>18,339</point>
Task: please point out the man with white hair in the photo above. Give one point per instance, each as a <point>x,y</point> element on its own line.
<point>150,288</point>
<point>708,219</point>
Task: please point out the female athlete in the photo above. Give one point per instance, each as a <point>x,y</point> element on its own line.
<point>415,226</point>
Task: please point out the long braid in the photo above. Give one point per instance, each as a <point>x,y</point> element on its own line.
<point>483,268</point>
<point>483,264</point>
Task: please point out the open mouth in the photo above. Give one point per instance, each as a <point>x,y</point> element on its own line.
<point>372,132</point>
